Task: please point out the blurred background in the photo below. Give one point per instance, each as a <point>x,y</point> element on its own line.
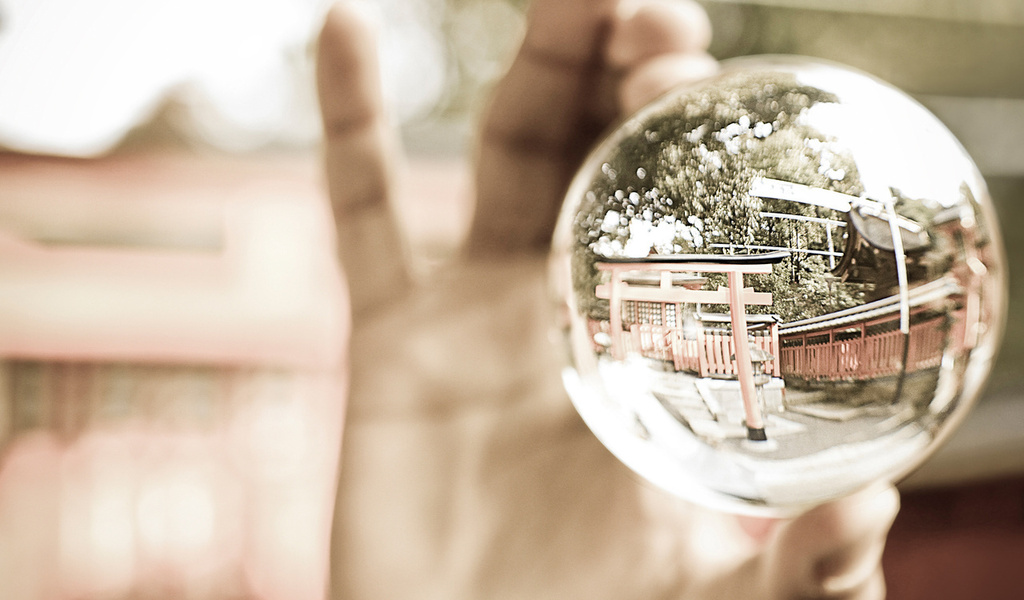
<point>104,99</point>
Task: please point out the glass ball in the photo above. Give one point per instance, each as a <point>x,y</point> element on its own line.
<point>778,286</point>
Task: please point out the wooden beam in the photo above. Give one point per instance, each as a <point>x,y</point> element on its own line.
<point>687,267</point>
<point>652,294</point>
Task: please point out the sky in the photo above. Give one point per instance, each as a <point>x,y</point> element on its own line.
<point>895,141</point>
<point>77,75</point>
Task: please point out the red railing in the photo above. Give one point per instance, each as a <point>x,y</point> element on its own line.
<point>709,352</point>
<point>830,354</point>
<point>864,356</point>
<point>717,358</point>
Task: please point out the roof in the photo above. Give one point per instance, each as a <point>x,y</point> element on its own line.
<point>920,295</point>
<point>753,259</point>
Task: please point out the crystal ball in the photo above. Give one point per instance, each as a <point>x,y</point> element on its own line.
<point>777,286</point>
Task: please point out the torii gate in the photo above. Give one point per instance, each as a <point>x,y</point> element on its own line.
<point>736,296</point>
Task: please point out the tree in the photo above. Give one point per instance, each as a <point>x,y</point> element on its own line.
<point>680,182</point>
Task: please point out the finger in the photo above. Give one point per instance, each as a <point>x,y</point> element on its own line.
<point>757,528</point>
<point>656,27</point>
<point>833,551</point>
<point>583,63</point>
<point>539,124</point>
<point>658,75</point>
<point>656,46</point>
<point>539,101</point>
<point>873,589</point>
<point>360,156</point>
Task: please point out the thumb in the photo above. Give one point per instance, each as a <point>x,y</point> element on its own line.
<point>832,551</point>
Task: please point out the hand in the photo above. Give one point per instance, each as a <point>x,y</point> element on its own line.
<point>465,471</point>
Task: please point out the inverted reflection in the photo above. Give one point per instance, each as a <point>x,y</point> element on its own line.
<point>783,283</point>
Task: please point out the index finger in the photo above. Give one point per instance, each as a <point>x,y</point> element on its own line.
<point>360,156</point>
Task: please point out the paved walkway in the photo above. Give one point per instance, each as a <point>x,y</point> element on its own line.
<point>808,421</point>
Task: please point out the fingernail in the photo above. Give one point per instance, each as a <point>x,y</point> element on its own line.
<point>758,528</point>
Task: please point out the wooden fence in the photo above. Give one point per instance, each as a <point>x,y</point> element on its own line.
<point>854,353</point>
<point>706,352</point>
<point>864,350</point>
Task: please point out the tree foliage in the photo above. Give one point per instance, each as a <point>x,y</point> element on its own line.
<point>681,182</point>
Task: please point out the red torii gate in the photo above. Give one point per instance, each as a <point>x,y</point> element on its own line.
<point>736,296</point>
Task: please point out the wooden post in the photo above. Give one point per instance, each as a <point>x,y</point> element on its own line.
<point>615,314</point>
<point>776,349</point>
<point>702,351</point>
<point>744,368</point>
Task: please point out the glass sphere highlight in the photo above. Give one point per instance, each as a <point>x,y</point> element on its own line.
<point>778,286</point>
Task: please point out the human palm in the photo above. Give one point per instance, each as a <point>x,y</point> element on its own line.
<point>465,471</point>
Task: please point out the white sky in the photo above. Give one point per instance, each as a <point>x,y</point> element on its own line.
<point>77,75</point>
<point>895,141</point>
